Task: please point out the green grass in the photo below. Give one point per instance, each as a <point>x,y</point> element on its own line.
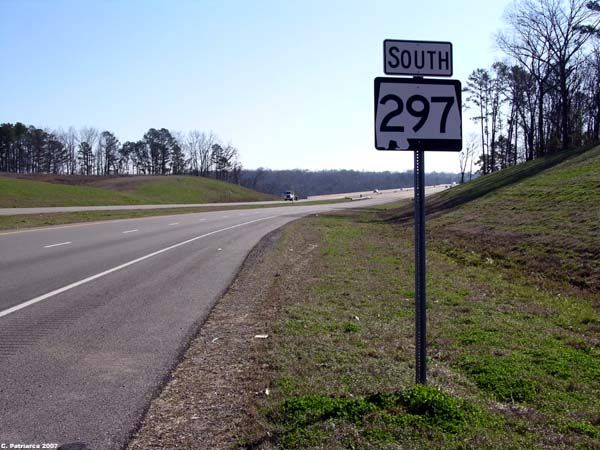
<point>548,225</point>
<point>420,407</point>
<point>487,184</point>
<point>25,193</point>
<point>180,189</point>
<point>514,357</point>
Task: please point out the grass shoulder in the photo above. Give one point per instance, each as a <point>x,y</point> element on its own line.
<point>512,364</point>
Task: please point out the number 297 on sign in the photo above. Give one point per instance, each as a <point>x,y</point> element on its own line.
<point>418,114</point>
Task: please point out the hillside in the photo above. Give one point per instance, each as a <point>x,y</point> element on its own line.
<point>52,190</point>
<point>542,217</point>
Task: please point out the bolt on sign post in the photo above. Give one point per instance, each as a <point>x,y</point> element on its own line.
<point>418,114</point>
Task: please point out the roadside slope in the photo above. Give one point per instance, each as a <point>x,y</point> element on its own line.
<point>513,312</point>
<point>38,191</point>
<point>547,225</point>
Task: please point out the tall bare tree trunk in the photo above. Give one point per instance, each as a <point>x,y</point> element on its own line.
<point>541,143</point>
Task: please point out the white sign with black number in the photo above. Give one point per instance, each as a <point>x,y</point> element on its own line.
<point>418,114</point>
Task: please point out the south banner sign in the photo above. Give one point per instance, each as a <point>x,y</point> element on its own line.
<point>420,58</point>
<point>418,114</point>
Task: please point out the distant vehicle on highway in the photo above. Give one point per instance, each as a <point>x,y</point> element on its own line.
<point>376,191</point>
<point>289,195</point>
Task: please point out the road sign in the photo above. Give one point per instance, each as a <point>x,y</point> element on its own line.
<point>422,58</point>
<point>418,114</point>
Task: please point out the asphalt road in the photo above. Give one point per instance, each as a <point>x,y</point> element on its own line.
<point>94,316</point>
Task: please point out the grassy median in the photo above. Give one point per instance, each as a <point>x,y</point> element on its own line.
<point>24,221</point>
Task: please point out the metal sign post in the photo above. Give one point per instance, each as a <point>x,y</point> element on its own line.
<point>418,114</point>
<point>420,282</point>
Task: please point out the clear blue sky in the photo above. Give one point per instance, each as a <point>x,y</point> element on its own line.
<point>288,83</point>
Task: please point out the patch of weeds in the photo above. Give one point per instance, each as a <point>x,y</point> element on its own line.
<point>447,296</point>
<point>583,427</point>
<point>418,406</point>
<point>351,327</point>
<point>438,407</point>
<point>380,435</point>
<point>287,385</point>
<point>460,255</point>
<point>310,437</point>
<point>501,376</point>
<point>309,409</point>
<point>408,293</point>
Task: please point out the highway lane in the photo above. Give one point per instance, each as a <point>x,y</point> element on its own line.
<point>60,256</point>
<point>93,316</point>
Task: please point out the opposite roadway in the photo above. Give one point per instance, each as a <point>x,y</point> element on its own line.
<point>93,316</point>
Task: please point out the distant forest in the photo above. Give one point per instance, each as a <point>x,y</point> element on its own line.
<point>88,151</point>
<point>26,149</point>
<point>306,183</point>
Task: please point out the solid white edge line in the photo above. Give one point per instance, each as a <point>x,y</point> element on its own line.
<point>20,306</point>
<point>57,245</point>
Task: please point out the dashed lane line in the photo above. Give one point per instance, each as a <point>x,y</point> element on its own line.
<point>55,292</point>
<point>57,245</point>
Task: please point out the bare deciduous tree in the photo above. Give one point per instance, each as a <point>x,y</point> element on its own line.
<point>465,157</point>
<point>547,37</point>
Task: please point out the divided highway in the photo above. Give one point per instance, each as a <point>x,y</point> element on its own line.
<point>93,316</point>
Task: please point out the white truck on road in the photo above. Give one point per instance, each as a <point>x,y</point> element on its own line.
<point>289,195</point>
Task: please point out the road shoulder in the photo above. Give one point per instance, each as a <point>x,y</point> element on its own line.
<point>210,398</point>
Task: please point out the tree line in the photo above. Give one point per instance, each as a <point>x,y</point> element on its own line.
<point>306,183</point>
<point>545,95</point>
<point>88,151</point>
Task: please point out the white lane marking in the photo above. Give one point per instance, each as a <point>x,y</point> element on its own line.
<point>174,223</point>
<point>87,224</point>
<point>130,231</point>
<point>224,217</point>
<point>8,311</point>
<point>57,245</point>
<point>201,220</point>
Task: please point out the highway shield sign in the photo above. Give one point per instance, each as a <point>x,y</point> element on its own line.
<point>418,114</point>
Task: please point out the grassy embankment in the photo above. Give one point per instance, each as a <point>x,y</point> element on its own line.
<point>39,191</point>
<point>513,312</point>
<point>52,190</point>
